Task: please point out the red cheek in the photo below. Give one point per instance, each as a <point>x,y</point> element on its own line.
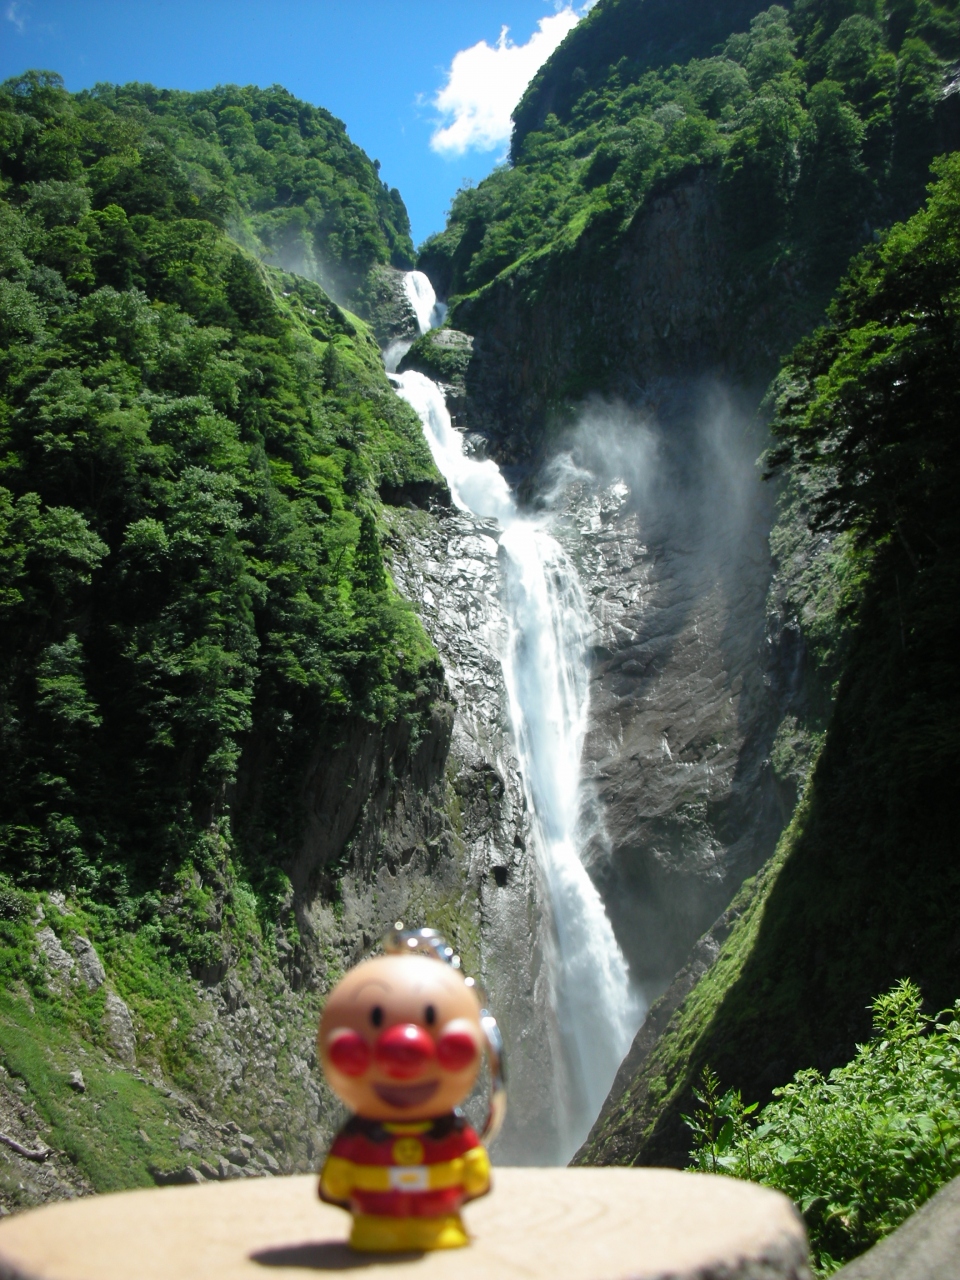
<point>456,1050</point>
<point>349,1053</point>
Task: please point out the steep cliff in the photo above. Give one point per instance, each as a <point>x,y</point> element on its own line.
<point>861,890</point>
<point>232,757</point>
<point>683,220</point>
<point>233,754</point>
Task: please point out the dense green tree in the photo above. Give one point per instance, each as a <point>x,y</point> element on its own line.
<point>191,447</point>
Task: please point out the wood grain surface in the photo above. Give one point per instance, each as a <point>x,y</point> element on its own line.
<point>580,1224</point>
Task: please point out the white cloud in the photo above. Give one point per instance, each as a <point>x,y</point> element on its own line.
<point>13,14</point>
<point>485,83</point>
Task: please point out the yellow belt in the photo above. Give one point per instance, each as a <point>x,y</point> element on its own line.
<point>470,1171</point>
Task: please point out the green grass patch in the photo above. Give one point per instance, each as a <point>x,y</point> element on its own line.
<point>100,1129</point>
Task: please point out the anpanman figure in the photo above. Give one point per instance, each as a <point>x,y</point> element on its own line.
<point>401,1040</point>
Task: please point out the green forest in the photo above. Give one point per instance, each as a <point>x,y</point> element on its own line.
<point>191,456</point>
<point>281,176</point>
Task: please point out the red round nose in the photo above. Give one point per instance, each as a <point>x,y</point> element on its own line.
<point>403,1051</point>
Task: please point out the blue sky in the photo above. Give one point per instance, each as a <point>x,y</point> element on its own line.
<point>389,70</point>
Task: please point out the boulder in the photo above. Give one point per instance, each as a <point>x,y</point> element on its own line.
<point>119,1028</point>
<point>88,962</point>
<point>59,961</point>
<point>926,1247</point>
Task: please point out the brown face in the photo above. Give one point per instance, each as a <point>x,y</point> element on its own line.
<point>400,1038</point>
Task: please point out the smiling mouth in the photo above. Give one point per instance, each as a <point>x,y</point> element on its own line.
<point>406,1095</point>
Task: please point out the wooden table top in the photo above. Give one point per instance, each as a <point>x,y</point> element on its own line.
<point>580,1224</point>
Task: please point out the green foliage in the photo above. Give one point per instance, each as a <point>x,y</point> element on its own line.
<point>820,121</point>
<point>282,174</point>
<point>191,449</point>
<point>719,1126</point>
<point>640,34</point>
<point>859,1150</point>
<point>440,361</point>
<point>47,1031</point>
<point>869,402</point>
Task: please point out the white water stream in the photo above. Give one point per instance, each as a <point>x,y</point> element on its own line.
<point>545,670</point>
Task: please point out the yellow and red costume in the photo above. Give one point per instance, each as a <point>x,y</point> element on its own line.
<point>405,1183</point>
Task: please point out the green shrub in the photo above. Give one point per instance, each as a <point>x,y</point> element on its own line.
<point>859,1150</point>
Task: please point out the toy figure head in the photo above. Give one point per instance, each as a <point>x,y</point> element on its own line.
<point>402,1036</point>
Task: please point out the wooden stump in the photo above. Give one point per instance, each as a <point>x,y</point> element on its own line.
<point>574,1224</point>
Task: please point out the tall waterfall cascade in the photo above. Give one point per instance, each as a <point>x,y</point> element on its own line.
<point>420,294</point>
<point>546,675</point>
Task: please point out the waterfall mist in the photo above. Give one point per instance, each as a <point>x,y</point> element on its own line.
<point>546,673</point>
<point>689,464</point>
<point>669,496</point>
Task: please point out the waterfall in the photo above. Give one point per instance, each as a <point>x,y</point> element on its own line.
<point>545,671</point>
<point>429,312</point>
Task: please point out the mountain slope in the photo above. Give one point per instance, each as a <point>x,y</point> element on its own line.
<point>644,34</point>
<point>198,633</point>
<point>281,174</point>
<point>811,127</point>
<point>666,233</point>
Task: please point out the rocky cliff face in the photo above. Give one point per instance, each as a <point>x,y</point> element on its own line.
<point>684,803</point>
<point>622,393</point>
<point>658,308</point>
<point>422,824</point>
<point>655,496</point>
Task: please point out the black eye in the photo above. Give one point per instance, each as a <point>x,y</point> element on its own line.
<point>430,1015</point>
<point>376,1016</point>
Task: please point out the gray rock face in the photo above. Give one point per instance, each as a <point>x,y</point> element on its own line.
<point>387,307</point>
<point>119,1028</point>
<point>443,355</point>
<point>429,828</point>
<point>667,522</point>
<point>926,1247</point>
<point>657,499</point>
<point>448,568</point>
<point>662,303</point>
<point>88,962</point>
<point>59,961</point>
